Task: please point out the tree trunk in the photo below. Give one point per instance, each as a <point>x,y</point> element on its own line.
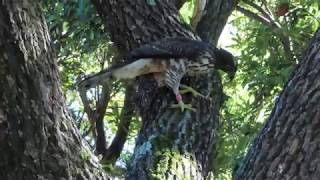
<point>171,144</point>
<point>38,139</point>
<point>288,147</point>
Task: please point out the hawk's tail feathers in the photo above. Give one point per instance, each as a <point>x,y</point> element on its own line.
<point>94,80</point>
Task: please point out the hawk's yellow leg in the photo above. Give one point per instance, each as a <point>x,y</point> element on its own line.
<point>183,106</point>
<point>188,89</point>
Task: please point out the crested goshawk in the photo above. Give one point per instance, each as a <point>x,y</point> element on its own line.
<point>168,60</point>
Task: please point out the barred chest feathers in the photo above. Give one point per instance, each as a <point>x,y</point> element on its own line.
<point>200,66</point>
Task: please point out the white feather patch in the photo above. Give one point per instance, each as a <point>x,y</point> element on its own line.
<point>138,68</point>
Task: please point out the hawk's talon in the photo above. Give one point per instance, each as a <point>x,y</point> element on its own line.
<point>188,89</point>
<point>183,106</point>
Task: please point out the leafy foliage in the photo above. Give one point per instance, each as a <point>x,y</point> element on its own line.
<point>186,10</point>
<point>78,35</point>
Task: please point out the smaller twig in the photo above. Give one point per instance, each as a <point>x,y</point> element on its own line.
<point>265,4</point>
<point>261,10</point>
<point>79,120</point>
<point>86,133</point>
<point>254,16</point>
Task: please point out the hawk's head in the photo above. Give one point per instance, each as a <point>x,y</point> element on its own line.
<point>225,61</point>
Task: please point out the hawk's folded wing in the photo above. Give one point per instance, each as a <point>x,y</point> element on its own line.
<point>177,47</point>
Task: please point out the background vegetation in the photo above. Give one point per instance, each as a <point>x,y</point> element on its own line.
<point>266,36</point>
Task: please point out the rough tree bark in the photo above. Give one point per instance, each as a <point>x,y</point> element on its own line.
<point>38,139</point>
<point>170,144</point>
<point>288,147</point>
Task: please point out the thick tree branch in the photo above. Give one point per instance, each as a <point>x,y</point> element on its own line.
<point>114,150</point>
<point>198,12</point>
<point>96,116</point>
<point>101,146</point>
<point>214,18</point>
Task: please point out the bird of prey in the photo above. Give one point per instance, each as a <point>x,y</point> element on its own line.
<point>167,60</point>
